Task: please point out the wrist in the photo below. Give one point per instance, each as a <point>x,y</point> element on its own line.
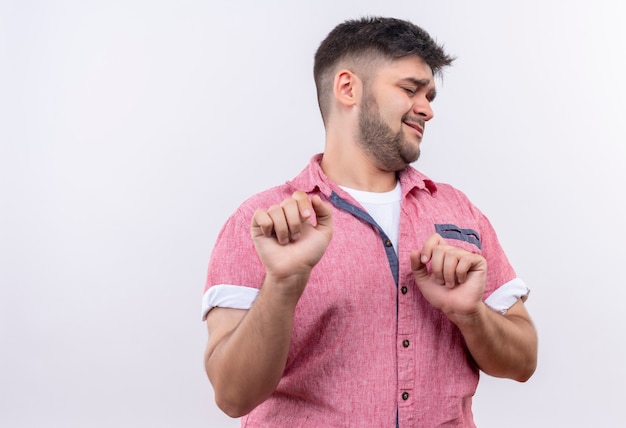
<point>469,319</point>
<point>288,287</point>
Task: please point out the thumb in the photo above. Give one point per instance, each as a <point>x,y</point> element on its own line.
<point>323,213</point>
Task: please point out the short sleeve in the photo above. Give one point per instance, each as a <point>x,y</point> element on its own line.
<point>234,261</point>
<point>500,272</point>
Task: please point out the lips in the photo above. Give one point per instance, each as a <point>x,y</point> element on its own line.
<point>419,129</point>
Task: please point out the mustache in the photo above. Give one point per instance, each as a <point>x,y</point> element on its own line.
<point>414,119</point>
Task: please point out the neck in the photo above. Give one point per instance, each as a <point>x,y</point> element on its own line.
<point>353,169</point>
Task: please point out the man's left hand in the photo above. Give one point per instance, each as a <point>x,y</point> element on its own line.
<point>450,278</point>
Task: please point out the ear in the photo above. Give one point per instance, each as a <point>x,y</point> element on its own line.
<point>347,88</point>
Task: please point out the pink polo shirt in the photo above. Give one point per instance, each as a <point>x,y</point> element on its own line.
<point>367,349</point>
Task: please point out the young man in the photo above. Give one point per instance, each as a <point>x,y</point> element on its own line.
<point>362,293</point>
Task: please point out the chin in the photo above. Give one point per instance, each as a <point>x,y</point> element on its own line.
<point>397,167</point>
<point>413,158</point>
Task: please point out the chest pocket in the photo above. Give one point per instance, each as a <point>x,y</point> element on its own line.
<point>452,231</point>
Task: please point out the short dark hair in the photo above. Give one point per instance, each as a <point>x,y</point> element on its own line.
<point>388,38</point>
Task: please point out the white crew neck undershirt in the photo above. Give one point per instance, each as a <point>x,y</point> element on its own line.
<point>384,207</point>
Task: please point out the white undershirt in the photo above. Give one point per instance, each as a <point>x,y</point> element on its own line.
<point>384,207</point>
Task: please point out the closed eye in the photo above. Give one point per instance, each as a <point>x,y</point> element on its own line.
<point>430,96</point>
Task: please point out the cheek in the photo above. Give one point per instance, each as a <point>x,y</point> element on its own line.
<point>394,112</point>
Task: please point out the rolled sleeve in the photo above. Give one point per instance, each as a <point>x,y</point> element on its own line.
<point>506,296</point>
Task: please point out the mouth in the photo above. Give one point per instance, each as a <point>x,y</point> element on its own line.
<point>418,128</point>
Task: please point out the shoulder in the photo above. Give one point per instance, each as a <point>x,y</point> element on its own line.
<point>264,199</point>
<point>440,191</point>
<point>448,191</point>
<point>308,180</point>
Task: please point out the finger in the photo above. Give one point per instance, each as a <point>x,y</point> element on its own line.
<point>261,224</point>
<point>419,269</point>
<point>323,213</point>
<point>279,222</point>
<point>469,263</point>
<point>462,268</point>
<point>304,204</point>
<point>437,259</point>
<point>291,212</point>
<point>451,268</point>
<point>429,245</point>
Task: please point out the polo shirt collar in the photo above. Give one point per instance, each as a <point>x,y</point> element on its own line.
<point>313,177</point>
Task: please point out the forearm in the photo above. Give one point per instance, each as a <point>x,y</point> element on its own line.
<point>501,345</point>
<point>247,364</point>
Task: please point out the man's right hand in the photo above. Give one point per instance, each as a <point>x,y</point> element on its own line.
<point>286,241</point>
<point>247,350</point>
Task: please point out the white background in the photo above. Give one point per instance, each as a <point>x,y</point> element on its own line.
<point>130,130</point>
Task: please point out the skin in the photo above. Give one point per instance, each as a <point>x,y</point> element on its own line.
<point>374,129</point>
<point>393,148</point>
<point>247,350</point>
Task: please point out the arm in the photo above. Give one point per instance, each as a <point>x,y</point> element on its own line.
<point>247,350</point>
<point>501,345</point>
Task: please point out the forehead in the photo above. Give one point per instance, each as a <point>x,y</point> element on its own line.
<point>406,68</point>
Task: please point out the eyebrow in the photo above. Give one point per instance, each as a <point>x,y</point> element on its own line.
<point>417,82</point>
<point>421,82</point>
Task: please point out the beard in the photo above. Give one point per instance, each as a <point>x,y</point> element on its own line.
<point>389,150</point>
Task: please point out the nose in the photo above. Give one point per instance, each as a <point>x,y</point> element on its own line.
<point>423,109</point>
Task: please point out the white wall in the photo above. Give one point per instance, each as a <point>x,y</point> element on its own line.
<point>130,130</point>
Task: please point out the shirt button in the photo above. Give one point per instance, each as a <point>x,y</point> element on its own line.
<point>405,396</point>
<point>404,290</point>
<point>388,243</point>
<point>405,343</point>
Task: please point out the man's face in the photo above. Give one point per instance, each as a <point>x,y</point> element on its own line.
<point>394,110</point>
